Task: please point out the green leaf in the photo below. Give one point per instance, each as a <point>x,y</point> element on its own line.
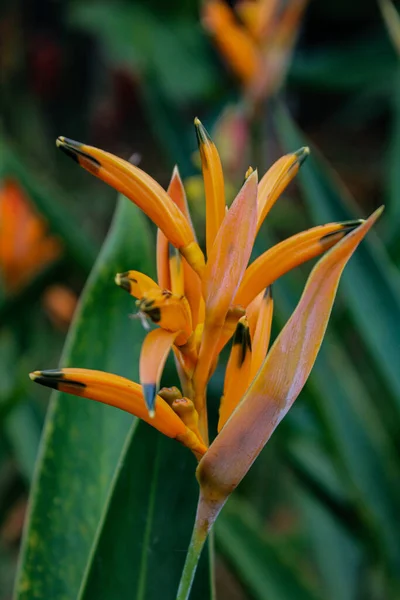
<point>337,555</point>
<point>142,540</point>
<point>259,561</point>
<point>393,172</point>
<point>370,283</point>
<point>113,501</point>
<point>83,440</point>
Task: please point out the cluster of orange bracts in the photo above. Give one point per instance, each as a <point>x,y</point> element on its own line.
<point>201,301</point>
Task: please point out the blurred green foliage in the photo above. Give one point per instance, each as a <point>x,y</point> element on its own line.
<point>317,515</point>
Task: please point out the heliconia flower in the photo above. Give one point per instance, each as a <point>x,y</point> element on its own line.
<point>256,39</point>
<point>202,301</point>
<point>25,245</point>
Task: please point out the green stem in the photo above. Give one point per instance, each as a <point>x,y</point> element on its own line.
<point>199,536</point>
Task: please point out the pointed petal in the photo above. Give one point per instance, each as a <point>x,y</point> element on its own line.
<point>281,377</point>
<point>143,190</point>
<point>262,333</point>
<point>237,375</point>
<point>192,283</point>
<point>155,349</point>
<point>136,283</point>
<point>231,251</point>
<point>177,193</point>
<point>225,267</point>
<point>287,255</point>
<point>176,272</point>
<point>213,184</point>
<point>113,390</point>
<point>276,179</point>
<point>235,44</point>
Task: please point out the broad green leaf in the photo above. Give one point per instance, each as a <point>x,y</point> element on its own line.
<point>370,283</point>
<point>393,171</point>
<point>338,556</point>
<point>257,559</point>
<point>82,440</point>
<point>142,540</point>
<point>77,244</point>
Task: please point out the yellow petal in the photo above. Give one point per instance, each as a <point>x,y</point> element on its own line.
<point>287,255</point>
<point>281,377</point>
<point>225,267</point>
<point>213,184</point>
<point>168,311</point>
<point>276,179</point>
<point>176,272</point>
<point>237,373</point>
<point>143,190</point>
<point>155,349</point>
<point>135,283</point>
<point>262,333</point>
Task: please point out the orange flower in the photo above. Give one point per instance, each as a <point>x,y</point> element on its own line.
<point>25,246</point>
<point>256,40</point>
<point>200,302</point>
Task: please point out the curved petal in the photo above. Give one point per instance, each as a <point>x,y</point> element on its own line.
<point>121,393</point>
<point>176,272</point>
<point>213,184</point>
<point>192,283</point>
<point>143,190</point>
<point>262,333</point>
<point>287,255</point>
<point>155,349</point>
<point>177,194</point>
<point>276,179</point>
<point>136,283</point>
<point>281,377</point>
<point>237,375</point>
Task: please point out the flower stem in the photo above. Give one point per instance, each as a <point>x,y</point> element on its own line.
<point>199,536</point>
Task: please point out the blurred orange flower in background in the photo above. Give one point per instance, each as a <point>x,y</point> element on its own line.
<point>256,39</point>
<point>25,245</point>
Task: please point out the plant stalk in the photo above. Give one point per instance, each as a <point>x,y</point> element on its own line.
<point>197,541</point>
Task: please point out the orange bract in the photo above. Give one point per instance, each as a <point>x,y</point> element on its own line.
<point>257,41</point>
